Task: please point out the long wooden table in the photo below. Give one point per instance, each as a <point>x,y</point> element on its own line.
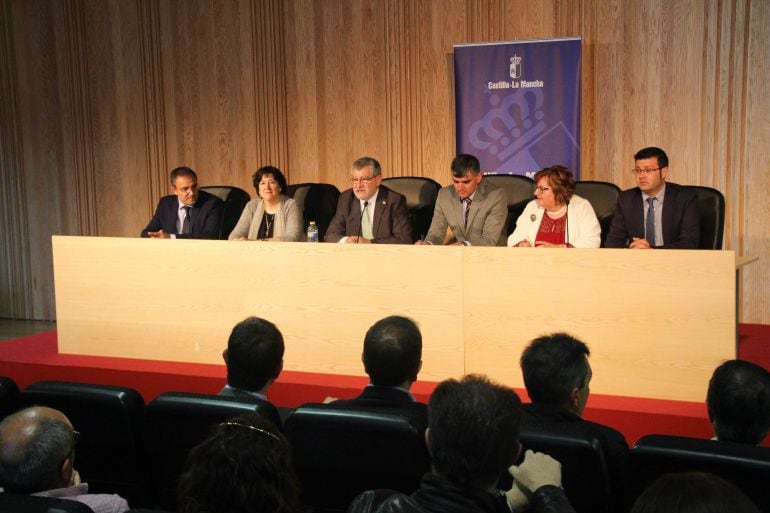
<point>657,322</point>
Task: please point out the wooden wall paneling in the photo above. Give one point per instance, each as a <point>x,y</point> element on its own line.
<point>302,90</point>
<point>15,273</point>
<point>115,111</point>
<point>269,75</point>
<point>49,196</point>
<point>754,220</point>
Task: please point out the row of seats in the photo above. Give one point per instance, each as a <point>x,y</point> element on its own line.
<point>318,202</point>
<point>138,450</point>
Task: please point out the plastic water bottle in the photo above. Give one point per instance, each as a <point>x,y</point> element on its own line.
<point>312,232</point>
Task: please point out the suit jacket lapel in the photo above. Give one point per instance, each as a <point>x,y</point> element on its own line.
<point>637,227</point>
<point>379,208</point>
<point>667,216</point>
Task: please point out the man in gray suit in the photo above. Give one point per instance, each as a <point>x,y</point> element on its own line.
<point>470,212</point>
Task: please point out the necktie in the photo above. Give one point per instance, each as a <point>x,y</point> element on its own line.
<point>649,228</point>
<point>467,203</point>
<point>186,223</point>
<point>366,223</point>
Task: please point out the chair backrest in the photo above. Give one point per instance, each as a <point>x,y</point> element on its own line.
<point>341,451</point>
<point>603,197</point>
<point>109,419</point>
<point>420,194</point>
<point>16,503</point>
<point>746,466</point>
<point>235,200</point>
<point>519,189</point>
<point>318,202</point>
<point>175,422</point>
<point>9,396</point>
<point>711,206</point>
<point>585,476</point>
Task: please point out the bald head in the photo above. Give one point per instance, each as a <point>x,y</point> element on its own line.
<point>36,446</point>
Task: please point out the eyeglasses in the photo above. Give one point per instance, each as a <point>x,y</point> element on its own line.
<point>640,171</point>
<point>362,180</point>
<point>541,188</point>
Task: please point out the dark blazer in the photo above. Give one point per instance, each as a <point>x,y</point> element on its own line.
<point>681,219</point>
<point>264,408</point>
<point>613,442</point>
<point>391,224</point>
<point>382,396</point>
<point>206,215</point>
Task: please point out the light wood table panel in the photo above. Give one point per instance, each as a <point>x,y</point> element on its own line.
<point>178,300</point>
<point>657,322</point>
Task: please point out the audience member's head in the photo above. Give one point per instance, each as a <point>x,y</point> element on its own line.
<point>738,402</point>
<point>393,352</point>
<point>556,371</point>
<point>254,355</point>
<point>243,467</point>
<point>473,430</point>
<point>37,450</point>
<point>693,492</point>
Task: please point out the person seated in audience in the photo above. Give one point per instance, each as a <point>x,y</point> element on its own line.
<point>37,457</point>
<point>254,359</point>
<point>557,217</point>
<point>675,219</point>
<point>187,213</point>
<point>272,215</point>
<point>738,402</point>
<point>392,358</point>
<point>557,375</point>
<point>471,211</point>
<point>472,437</point>
<point>369,212</point>
<point>243,467</point>
<point>693,492</point>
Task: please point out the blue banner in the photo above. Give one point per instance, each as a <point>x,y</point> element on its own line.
<point>518,104</point>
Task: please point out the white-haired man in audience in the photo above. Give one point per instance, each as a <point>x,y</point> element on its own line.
<point>37,456</point>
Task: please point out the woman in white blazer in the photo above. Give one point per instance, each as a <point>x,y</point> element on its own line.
<point>273,215</point>
<point>556,217</point>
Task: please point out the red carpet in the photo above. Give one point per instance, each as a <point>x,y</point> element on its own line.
<point>35,358</point>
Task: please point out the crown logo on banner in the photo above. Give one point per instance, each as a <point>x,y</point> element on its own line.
<point>510,125</point>
<point>515,68</point>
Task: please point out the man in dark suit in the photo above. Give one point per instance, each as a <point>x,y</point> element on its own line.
<point>471,211</point>
<point>369,212</point>
<point>187,213</point>
<point>254,359</point>
<point>557,375</point>
<point>738,402</point>
<point>675,220</point>
<point>392,358</point>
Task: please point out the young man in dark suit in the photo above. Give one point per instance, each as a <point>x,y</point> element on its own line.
<point>656,213</point>
<point>392,358</point>
<point>187,213</point>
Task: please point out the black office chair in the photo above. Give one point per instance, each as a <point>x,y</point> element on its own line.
<point>746,466</point>
<point>420,194</point>
<point>519,189</point>
<point>603,197</point>
<point>235,200</point>
<point>17,503</point>
<point>9,396</point>
<point>342,451</point>
<point>585,477</point>
<point>175,422</point>
<point>109,419</point>
<point>711,206</point>
<point>317,201</point>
